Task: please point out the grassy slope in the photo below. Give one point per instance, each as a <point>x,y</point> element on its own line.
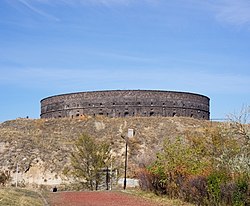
<point>19,197</point>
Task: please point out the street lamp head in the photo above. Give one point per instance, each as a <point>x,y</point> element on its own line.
<point>130,133</point>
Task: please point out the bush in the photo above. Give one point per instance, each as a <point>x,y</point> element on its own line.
<point>194,190</point>
<point>4,177</point>
<point>197,167</point>
<point>227,190</point>
<point>241,194</point>
<point>145,179</point>
<point>214,182</point>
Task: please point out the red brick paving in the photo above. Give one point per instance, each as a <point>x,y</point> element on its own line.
<point>107,198</point>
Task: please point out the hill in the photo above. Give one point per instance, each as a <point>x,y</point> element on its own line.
<point>41,147</point>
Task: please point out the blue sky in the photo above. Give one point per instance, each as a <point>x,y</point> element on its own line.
<point>50,47</point>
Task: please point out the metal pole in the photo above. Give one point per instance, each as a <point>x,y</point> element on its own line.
<point>111,172</point>
<point>107,178</point>
<point>126,159</point>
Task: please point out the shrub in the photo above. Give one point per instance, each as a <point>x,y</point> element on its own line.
<point>194,190</point>
<point>4,177</point>
<point>240,195</point>
<point>214,182</point>
<point>158,178</point>
<point>205,167</point>
<point>145,179</point>
<point>227,190</point>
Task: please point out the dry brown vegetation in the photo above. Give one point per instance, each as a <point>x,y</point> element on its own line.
<point>192,149</point>
<point>48,142</point>
<point>19,197</point>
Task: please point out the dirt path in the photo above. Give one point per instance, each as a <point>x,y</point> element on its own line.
<point>96,199</point>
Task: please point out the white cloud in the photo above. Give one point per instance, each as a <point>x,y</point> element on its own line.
<point>234,12</point>
<point>88,2</point>
<point>36,10</point>
<point>110,2</point>
<point>116,2</point>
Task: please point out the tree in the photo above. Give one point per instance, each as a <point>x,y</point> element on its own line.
<point>241,131</point>
<point>88,159</point>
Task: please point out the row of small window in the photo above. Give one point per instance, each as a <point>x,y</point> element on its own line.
<point>125,114</point>
<point>77,105</point>
<point>138,103</point>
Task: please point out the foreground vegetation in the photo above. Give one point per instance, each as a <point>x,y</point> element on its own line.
<point>158,199</point>
<point>88,158</point>
<point>206,167</point>
<point>19,197</point>
<point>200,162</point>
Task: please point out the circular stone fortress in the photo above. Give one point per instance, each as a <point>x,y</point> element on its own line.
<point>124,103</point>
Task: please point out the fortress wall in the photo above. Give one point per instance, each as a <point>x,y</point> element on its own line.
<point>122,103</point>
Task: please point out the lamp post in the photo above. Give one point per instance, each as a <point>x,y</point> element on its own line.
<point>17,169</point>
<point>130,134</point>
<point>125,166</point>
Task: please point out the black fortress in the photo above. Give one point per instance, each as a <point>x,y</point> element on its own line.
<point>126,103</point>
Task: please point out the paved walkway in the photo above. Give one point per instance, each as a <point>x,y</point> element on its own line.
<point>107,198</point>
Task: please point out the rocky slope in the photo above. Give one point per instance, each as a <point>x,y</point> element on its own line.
<point>41,147</point>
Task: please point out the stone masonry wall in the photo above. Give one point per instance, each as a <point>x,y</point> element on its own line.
<point>122,103</point>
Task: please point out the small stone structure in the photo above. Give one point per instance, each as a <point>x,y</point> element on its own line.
<point>123,103</point>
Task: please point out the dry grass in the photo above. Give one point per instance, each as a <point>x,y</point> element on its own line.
<point>19,197</point>
<point>46,144</point>
<point>159,200</point>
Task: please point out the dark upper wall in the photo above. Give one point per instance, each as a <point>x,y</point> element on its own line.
<point>121,103</point>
